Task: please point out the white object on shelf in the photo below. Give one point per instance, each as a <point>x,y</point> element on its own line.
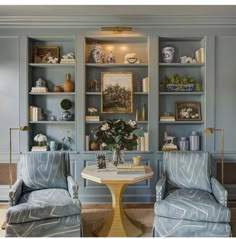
<point>146,141</point>
<point>142,143</point>
<point>87,142</point>
<point>200,55</point>
<point>145,84</point>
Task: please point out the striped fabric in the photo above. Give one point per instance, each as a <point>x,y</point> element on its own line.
<point>44,200</point>
<point>190,203</point>
<point>187,170</point>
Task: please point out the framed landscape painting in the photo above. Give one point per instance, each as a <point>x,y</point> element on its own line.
<point>189,111</point>
<point>116,92</point>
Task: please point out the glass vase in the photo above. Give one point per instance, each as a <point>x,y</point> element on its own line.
<point>117,156</point>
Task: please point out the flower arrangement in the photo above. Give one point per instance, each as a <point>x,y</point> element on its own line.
<point>188,113</point>
<point>41,140</point>
<point>117,134</point>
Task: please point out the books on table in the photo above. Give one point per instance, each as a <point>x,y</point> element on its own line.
<point>131,169</point>
<point>39,148</point>
<point>92,118</point>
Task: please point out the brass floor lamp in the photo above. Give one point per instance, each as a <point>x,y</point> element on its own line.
<point>211,131</point>
<point>22,128</point>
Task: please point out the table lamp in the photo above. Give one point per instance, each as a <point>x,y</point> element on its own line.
<point>211,131</point>
<point>21,128</point>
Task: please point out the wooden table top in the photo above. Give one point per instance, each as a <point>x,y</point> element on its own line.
<point>111,176</point>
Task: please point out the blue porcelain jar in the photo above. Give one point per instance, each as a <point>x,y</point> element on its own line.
<point>194,141</point>
<point>183,144</point>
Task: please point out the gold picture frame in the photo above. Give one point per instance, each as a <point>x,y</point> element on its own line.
<point>116,92</point>
<point>41,53</point>
<point>188,111</point>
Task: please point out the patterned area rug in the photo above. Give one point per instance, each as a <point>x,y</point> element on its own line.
<point>93,218</point>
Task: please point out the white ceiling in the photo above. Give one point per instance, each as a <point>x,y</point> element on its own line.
<point>106,10</point>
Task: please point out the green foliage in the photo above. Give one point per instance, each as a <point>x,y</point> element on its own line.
<point>66,104</point>
<point>117,134</point>
<point>179,81</point>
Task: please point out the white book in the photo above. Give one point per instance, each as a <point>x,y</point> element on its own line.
<point>145,84</point>
<point>87,140</point>
<point>142,143</point>
<point>146,141</point>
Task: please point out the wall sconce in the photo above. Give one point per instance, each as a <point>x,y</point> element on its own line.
<point>211,131</point>
<point>116,30</point>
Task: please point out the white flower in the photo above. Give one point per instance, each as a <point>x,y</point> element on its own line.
<point>132,123</point>
<point>104,145</point>
<point>105,127</point>
<point>40,138</point>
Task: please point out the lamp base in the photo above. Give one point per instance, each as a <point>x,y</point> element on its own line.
<point>3,227</point>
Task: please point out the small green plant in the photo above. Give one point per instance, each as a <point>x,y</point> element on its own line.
<point>176,82</point>
<point>66,104</point>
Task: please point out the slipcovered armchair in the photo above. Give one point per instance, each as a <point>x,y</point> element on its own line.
<point>44,200</point>
<point>190,203</point>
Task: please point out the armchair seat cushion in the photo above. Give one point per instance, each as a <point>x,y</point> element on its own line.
<point>192,204</point>
<point>43,204</point>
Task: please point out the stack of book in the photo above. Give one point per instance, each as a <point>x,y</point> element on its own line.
<point>39,89</point>
<point>39,148</point>
<point>200,55</point>
<point>167,118</point>
<point>131,169</point>
<point>143,143</point>
<point>67,61</point>
<point>35,113</point>
<point>92,118</point>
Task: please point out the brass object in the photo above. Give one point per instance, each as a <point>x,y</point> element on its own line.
<point>116,29</point>
<point>137,114</point>
<point>143,112</point>
<point>211,131</point>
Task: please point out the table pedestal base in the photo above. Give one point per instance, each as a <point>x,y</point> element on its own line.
<point>118,224</point>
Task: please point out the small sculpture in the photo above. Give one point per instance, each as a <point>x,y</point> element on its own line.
<point>93,85</point>
<point>111,58</point>
<point>169,143</point>
<point>52,60</point>
<point>69,56</point>
<point>187,59</point>
<point>131,58</point>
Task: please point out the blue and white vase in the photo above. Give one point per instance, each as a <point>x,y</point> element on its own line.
<point>98,54</point>
<point>168,53</point>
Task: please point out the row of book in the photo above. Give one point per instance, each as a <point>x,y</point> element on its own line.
<point>67,61</point>
<point>131,169</point>
<point>92,118</point>
<point>35,113</point>
<point>39,148</point>
<point>143,142</point>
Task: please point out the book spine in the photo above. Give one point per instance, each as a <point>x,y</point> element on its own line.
<point>142,145</point>
<point>146,141</point>
<point>87,140</point>
<point>145,84</point>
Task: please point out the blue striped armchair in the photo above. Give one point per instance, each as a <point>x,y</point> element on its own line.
<point>44,200</point>
<point>189,202</point>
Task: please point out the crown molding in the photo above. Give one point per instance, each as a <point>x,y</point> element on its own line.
<point>93,21</point>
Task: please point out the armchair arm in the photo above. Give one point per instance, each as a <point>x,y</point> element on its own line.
<point>73,187</point>
<point>160,188</point>
<point>15,192</point>
<point>219,192</point>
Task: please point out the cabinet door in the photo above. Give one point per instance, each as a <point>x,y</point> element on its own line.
<point>9,91</point>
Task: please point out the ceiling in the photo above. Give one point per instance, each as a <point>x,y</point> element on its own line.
<point>111,10</point>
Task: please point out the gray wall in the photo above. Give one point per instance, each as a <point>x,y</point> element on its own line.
<point>220,87</point>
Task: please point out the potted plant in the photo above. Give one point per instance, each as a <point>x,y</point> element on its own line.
<point>117,135</point>
<point>66,104</point>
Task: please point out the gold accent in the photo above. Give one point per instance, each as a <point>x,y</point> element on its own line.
<point>211,131</point>
<point>21,128</point>
<point>117,29</point>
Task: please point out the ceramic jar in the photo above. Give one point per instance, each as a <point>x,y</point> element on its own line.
<point>40,82</point>
<point>168,53</point>
<point>137,160</point>
<point>53,145</point>
<point>66,115</point>
<point>68,85</point>
<point>98,54</point>
<point>194,141</point>
<point>183,144</point>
